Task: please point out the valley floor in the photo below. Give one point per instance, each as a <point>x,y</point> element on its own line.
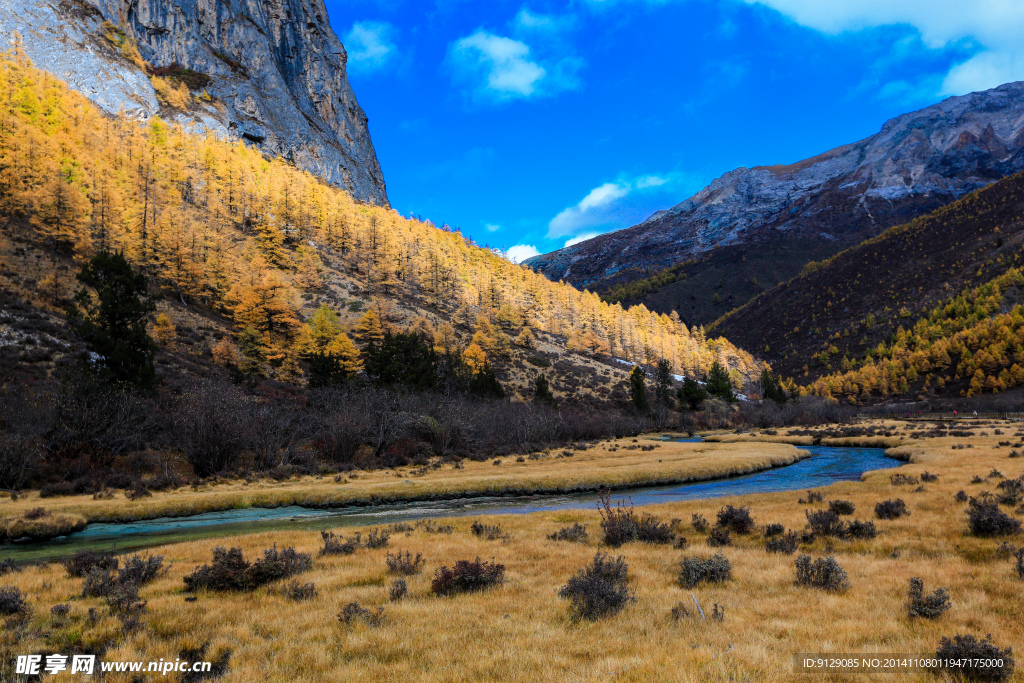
<point>522,630</point>
<point>619,463</point>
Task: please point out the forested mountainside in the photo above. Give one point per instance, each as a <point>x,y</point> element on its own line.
<point>755,227</point>
<point>245,249</point>
<point>929,306</point>
<point>270,73</point>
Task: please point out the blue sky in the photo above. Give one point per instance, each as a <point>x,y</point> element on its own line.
<point>529,125</point>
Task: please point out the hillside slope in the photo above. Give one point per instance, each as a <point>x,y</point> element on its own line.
<point>846,306</point>
<point>760,225</point>
<point>272,74</point>
<point>243,246</point>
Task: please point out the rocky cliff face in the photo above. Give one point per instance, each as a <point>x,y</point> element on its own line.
<point>917,162</point>
<point>275,70</point>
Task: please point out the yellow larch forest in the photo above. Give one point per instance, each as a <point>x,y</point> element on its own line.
<point>218,225</point>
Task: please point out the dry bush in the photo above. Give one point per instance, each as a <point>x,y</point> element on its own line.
<point>466,577</point>
<point>404,563</point>
<point>985,519</point>
<point>84,562</point>
<point>353,613</point>
<point>891,509</point>
<point>824,573</point>
<point>490,532</point>
<point>697,569</point>
<point>969,653</point>
<point>736,519</point>
<point>229,571</point>
<point>928,606</point>
<point>785,544</point>
<point>576,533</point>
<point>841,507</point>
<point>599,589</point>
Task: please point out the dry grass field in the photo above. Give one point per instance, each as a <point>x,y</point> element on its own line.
<point>523,631</point>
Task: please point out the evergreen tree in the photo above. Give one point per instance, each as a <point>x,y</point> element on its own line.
<point>542,390</point>
<point>485,383</point>
<point>637,390</point>
<point>111,320</point>
<point>402,358</point>
<point>771,388</point>
<point>691,394</point>
<point>663,383</point>
<point>717,383</point>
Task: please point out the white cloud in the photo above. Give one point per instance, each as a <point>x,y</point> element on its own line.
<point>521,252</point>
<point>616,205</point>
<point>496,68</point>
<point>995,26</point>
<point>370,46</point>
<point>491,227</point>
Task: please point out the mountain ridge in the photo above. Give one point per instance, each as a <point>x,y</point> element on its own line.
<point>916,163</point>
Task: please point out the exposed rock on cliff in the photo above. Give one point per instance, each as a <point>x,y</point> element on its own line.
<point>274,72</point>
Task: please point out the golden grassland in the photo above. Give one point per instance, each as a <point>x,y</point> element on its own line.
<point>522,631</point>
<point>618,463</point>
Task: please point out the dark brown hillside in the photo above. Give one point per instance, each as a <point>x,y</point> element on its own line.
<point>806,326</point>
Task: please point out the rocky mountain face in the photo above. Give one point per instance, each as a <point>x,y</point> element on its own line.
<point>271,72</point>
<point>916,163</point>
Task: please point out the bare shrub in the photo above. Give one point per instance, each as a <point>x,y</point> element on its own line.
<point>841,507</point>
<point>12,601</point>
<point>466,577</point>
<point>719,537</point>
<point>736,519</point>
<point>785,544</point>
<point>700,524</point>
<point>985,519</point>
<point>490,532</point>
<point>140,571</point>
<point>975,660</point>
<point>824,573</point>
<point>377,538</point>
<point>773,530</point>
<point>404,563</point>
<point>927,606</point>
<point>353,613</point>
<point>399,589</point>
<point>812,498</point>
<point>84,561</point>
<point>338,545</point>
<point>300,592</point>
<point>576,533</point>
<point>650,530</point>
<point>697,569</point>
<point>229,571</point>
<point>891,509</point>
<point>619,523</point>
<point>599,589</point>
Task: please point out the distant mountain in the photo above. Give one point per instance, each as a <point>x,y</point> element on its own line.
<point>754,227</point>
<point>900,300</point>
<point>270,73</point>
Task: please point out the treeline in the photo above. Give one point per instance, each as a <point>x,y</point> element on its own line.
<point>974,340</point>
<point>81,436</point>
<point>219,226</point>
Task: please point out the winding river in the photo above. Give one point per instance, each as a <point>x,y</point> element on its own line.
<point>825,466</point>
